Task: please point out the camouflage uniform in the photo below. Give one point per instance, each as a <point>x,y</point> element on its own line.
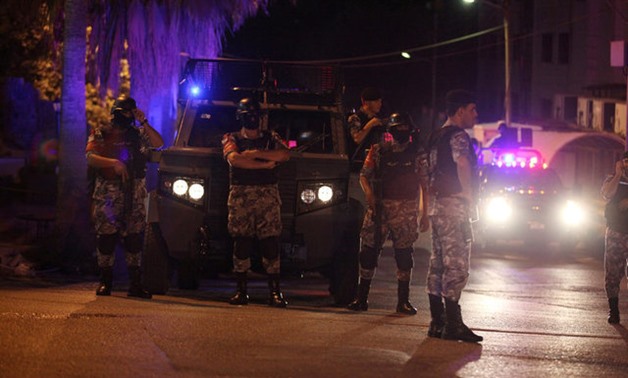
<point>616,238</point>
<point>451,231</point>
<point>355,123</point>
<point>399,170</point>
<point>254,212</point>
<point>615,255</point>
<point>117,207</point>
<point>254,204</point>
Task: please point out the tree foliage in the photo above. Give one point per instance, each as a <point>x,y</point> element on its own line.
<point>152,36</point>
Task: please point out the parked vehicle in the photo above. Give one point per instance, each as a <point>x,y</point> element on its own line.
<point>187,213</point>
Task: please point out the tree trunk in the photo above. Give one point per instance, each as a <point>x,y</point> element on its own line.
<point>73,225</point>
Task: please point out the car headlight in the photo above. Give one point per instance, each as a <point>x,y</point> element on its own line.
<point>325,193</point>
<point>308,196</point>
<point>196,191</point>
<point>184,188</point>
<point>498,210</point>
<point>318,195</point>
<point>180,187</point>
<point>572,214</point>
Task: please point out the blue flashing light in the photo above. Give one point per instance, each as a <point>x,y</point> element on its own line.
<point>195,90</point>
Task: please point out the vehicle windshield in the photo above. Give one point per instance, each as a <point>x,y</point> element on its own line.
<point>511,179</point>
<point>302,130</point>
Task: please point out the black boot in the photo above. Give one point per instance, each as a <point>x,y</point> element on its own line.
<point>437,310</point>
<point>106,281</point>
<point>135,285</point>
<point>403,294</point>
<point>276,297</point>
<point>454,328</point>
<point>361,301</point>
<point>613,313</point>
<point>241,296</point>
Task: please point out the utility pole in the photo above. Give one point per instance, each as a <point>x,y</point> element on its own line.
<point>505,9</point>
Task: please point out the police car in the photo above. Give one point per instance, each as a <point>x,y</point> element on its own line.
<point>522,199</point>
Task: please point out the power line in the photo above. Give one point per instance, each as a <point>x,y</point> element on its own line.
<point>383,55</point>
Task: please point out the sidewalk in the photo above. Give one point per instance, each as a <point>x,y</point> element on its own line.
<point>25,232</point>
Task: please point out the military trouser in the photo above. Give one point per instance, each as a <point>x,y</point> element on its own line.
<point>615,255</point>
<point>113,220</point>
<point>255,213</point>
<point>399,222</point>
<point>448,271</point>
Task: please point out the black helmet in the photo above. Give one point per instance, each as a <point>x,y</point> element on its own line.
<point>398,119</point>
<point>248,113</point>
<point>123,103</point>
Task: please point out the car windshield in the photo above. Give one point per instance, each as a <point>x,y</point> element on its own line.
<point>521,178</point>
<point>302,130</point>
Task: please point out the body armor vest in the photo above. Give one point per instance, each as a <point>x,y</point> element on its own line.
<point>240,176</point>
<point>444,180</point>
<point>124,144</point>
<point>399,173</point>
<point>617,219</point>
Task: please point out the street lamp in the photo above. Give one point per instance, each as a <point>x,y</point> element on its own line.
<point>505,9</point>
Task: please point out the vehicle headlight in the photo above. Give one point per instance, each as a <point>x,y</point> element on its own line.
<point>572,214</point>
<point>308,196</point>
<point>189,189</point>
<point>196,191</point>
<point>315,195</point>
<point>325,193</point>
<point>180,187</point>
<point>498,210</point>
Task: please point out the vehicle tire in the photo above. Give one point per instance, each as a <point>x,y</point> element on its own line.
<point>156,262</point>
<point>344,275</point>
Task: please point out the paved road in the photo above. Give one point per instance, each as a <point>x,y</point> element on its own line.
<point>539,315</point>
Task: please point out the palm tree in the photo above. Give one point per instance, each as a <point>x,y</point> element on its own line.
<point>72,206</point>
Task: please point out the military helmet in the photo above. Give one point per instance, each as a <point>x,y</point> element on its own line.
<point>247,113</point>
<point>122,104</point>
<point>247,106</point>
<point>398,119</point>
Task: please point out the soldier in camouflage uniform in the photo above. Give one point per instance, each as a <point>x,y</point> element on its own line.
<point>615,192</point>
<point>118,153</point>
<point>365,126</point>
<point>254,204</point>
<point>452,169</point>
<point>391,177</point>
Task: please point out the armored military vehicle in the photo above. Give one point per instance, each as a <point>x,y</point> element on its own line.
<point>187,235</point>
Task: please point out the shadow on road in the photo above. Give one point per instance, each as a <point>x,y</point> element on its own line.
<point>442,356</point>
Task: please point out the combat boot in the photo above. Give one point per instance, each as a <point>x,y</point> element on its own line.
<point>403,294</point>
<point>613,313</point>
<point>437,310</point>
<point>454,328</point>
<point>135,285</point>
<point>360,303</point>
<point>106,281</point>
<point>241,296</point>
<point>276,297</point>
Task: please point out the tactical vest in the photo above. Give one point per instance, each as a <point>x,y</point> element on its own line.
<point>444,180</point>
<point>241,176</point>
<point>399,173</point>
<point>124,145</point>
<point>617,219</point>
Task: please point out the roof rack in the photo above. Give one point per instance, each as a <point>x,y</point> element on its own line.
<point>268,81</point>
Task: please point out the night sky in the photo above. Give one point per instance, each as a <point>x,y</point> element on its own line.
<point>335,29</point>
